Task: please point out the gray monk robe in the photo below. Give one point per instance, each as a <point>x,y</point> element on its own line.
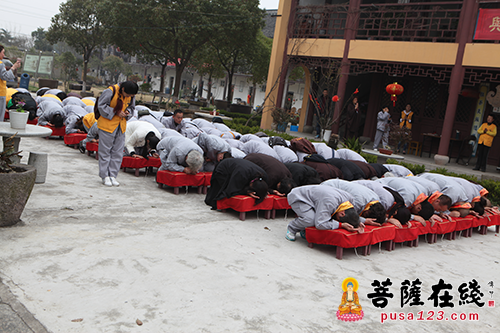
<point>384,197</point>
<point>212,145</point>
<point>406,188</point>
<point>173,151</point>
<point>447,186</point>
<point>314,206</point>
<point>361,195</point>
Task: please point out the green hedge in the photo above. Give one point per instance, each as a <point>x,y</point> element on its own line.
<point>369,158</point>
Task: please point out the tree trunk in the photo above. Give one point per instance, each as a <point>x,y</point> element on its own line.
<point>162,77</point>
<point>209,91</point>
<point>230,87</point>
<point>200,87</point>
<point>178,73</point>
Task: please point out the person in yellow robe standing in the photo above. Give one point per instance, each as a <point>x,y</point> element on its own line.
<point>486,132</point>
<point>116,105</point>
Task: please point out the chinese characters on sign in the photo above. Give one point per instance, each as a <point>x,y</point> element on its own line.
<point>488,25</point>
<point>441,296</point>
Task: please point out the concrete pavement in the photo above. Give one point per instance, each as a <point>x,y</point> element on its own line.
<point>88,258</point>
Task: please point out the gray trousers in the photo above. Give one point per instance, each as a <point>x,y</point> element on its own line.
<point>3,101</point>
<point>381,135</point>
<point>110,152</point>
<point>305,217</point>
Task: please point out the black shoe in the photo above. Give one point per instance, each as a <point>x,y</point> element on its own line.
<point>483,170</point>
<point>81,148</point>
<point>476,168</point>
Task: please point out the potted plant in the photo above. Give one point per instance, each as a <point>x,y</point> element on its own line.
<point>17,183</point>
<point>18,117</point>
<point>281,117</point>
<point>399,135</point>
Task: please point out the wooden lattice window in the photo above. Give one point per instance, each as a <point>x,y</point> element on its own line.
<point>465,109</point>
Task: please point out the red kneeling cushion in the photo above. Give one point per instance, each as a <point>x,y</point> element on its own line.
<point>280,202</point>
<point>33,121</point>
<point>154,162</point>
<point>386,232</point>
<point>57,131</point>
<point>92,146</point>
<point>244,203</point>
<point>74,138</point>
<point>493,220</point>
<point>444,227</point>
<point>406,234</point>
<point>133,162</point>
<point>177,179</point>
<point>338,237</point>
<point>208,176</point>
<point>463,223</point>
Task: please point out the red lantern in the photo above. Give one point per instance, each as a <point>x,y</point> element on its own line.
<point>394,89</point>
<point>335,98</point>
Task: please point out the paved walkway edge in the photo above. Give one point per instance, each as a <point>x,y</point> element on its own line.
<point>8,298</point>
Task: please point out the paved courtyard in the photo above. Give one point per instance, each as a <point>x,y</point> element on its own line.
<point>88,258</point>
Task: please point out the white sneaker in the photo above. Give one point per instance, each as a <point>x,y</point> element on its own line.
<point>107,181</point>
<point>114,182</point>
<point>290,235</point>
<point>376,149</point>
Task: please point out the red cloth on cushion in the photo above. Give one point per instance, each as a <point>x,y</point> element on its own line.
<point>338,237</point>
<point>244,203</point>
<point>208,176</point>
<point>380,234</point>
<point>406,234</point>
<point>133,163</point>
<point>57,131</point>
<point>479,221</point>
<point>444,227</point>
<point>74,138</point>
<point>177,179</point>
<point>92,146</point>
<point>493,219</point>
<point>32,122</point>
<point>463,223</point>
<point>421,229</point>
<point>154,162</point>
<point>280,202</point>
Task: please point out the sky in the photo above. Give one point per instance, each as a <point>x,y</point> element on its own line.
<point>23,17</point>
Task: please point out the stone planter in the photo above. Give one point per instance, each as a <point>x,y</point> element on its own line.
<point>14,193</point>
<point>18,120</point>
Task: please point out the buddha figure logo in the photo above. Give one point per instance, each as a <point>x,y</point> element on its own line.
<point>349,308</point>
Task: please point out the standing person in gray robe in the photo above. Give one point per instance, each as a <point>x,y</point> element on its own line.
<point>5,75</point>
<point>382,133</point>
<point>323,207</point>
<point>365,201</point>
<point>213,148</point>
<point>178,153</point>
<point>116,105</point>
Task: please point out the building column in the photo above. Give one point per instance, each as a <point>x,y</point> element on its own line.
<point>464,34</point>
<point>350,33</point>
<point>277,63</point>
